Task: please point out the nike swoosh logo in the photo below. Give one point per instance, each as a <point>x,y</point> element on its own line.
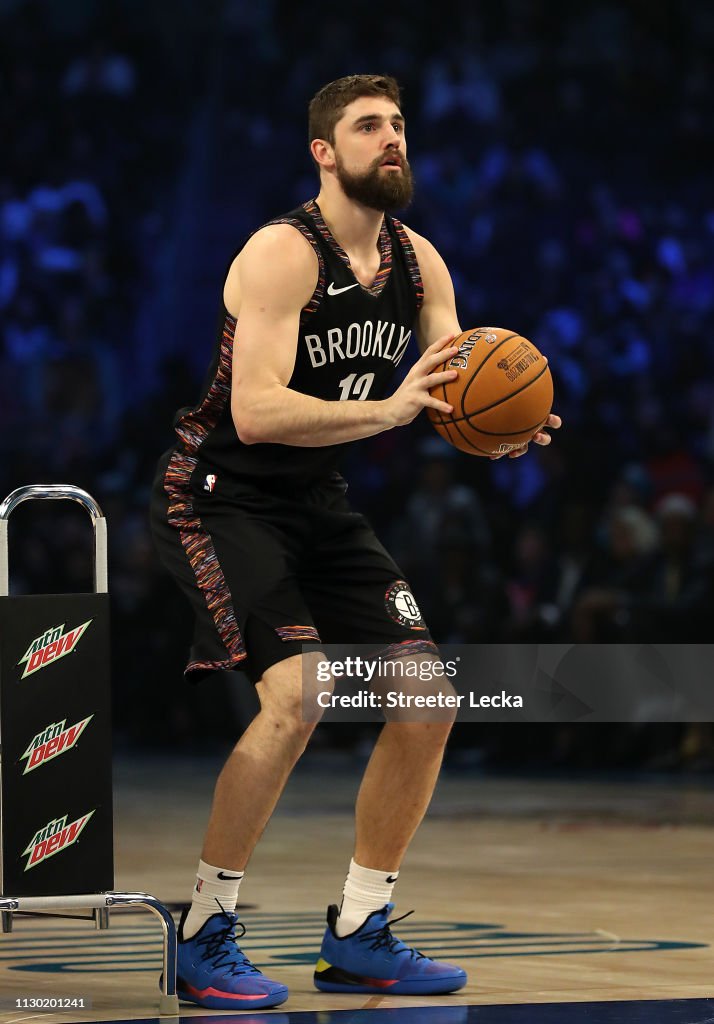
<point>391,878</point>
<point>229,878</point>
<point>331,290</point>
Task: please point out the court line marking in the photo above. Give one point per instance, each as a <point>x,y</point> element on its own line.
<point>374,1002</point>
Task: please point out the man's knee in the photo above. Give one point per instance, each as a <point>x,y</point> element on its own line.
<point>423,734</point>
<point>287,693</point>
<point>418,692</point>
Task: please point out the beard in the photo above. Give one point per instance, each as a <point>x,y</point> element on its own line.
<point>375,188</point>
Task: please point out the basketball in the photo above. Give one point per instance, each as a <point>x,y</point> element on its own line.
<point>501,397</point>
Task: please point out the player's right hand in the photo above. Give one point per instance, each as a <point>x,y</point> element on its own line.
<point>412,395</point>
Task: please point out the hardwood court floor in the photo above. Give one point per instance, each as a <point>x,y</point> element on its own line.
<point>549,892</point>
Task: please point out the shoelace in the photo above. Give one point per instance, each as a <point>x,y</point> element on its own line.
<point>383,939</point>
<point>233,957</point>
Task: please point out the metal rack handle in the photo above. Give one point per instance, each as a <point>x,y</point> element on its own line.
<point>35,492</point>
<point>101,902</point>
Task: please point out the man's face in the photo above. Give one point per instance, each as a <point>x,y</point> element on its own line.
<point>371,154</point>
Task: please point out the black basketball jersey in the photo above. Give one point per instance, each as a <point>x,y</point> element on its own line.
<point>350,340</point>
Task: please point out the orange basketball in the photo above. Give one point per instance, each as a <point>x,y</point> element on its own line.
<point>501,397</point>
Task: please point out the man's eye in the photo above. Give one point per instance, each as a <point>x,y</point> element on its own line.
<point>397,126</point>
<point>367,127</point>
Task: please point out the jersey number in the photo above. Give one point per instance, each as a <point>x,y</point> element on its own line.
<point>355,388</point>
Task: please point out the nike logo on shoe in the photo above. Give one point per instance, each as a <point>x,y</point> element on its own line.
<point>331,290</point>
<point>392,878</point>
<point>229,878</point>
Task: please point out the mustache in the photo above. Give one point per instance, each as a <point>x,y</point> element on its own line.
<point>390,155</point>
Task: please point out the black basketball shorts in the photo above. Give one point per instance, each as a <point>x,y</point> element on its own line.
<point>267,572</point>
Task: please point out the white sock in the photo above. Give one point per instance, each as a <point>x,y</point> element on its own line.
<point>365,891</point>
<point>213,886</point>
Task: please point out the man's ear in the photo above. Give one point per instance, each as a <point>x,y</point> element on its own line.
<point>322,153</point>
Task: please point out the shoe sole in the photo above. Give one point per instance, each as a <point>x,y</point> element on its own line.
<point>235,1002</point>
<point>425,987</point>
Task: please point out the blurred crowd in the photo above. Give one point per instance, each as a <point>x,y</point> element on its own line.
<point>563,161</point>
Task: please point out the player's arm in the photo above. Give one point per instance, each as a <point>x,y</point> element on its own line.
<point>437,317</point>
<point>276,276</point>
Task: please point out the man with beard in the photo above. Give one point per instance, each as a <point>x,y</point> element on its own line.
<point>250,515</point>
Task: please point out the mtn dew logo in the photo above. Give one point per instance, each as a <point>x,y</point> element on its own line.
<point>54,837</point>
<point>52,645</point>
<point>53,741</point>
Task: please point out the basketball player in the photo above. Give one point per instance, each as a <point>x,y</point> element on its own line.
<point>250,515</point>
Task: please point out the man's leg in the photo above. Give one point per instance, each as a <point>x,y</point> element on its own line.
<point>400,777</point>
<point>396,790</point>
<point>212,969</point>
<point>255,774</point>
<point>359,952</point>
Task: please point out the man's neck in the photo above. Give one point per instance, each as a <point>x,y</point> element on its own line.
<point>354,226</point>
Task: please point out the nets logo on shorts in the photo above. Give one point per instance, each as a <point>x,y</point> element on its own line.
<point>401,606</point>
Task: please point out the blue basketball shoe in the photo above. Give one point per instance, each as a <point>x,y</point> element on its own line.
<point>213,971</point>
<point>373,960</point>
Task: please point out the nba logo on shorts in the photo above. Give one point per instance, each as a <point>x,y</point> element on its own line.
<point>402,607</point>
<point>210,482</point>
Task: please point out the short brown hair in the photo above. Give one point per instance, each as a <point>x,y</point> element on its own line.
<point>327,105</point>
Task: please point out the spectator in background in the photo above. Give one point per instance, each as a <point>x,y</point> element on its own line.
<point>439,505</point>
<point>614,577</point>
<point>100,73</point>
<point>676,604</point>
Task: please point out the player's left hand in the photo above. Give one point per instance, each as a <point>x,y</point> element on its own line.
<point>543,438</point>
